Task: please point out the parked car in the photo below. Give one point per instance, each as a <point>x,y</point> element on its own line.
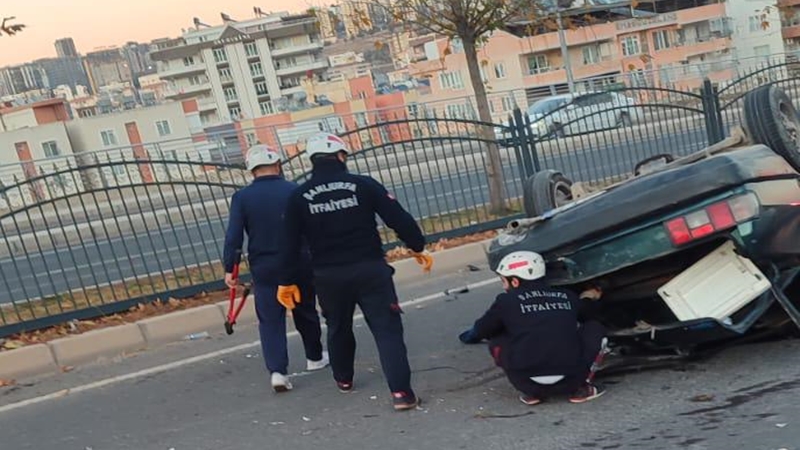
<point>689,252</point>
<point>569,114</point>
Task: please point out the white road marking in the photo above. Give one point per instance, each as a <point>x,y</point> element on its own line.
<point>215,354</point>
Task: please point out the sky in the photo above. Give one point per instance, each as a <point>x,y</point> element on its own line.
<point>96,24</point>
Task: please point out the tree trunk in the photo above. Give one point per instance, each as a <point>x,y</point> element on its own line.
<point>494,167</point>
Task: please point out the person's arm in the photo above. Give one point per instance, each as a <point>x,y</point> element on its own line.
<point>395,216</point>
<point>234,238</point>
<point>588,304</point>
<point>486,327</point>
<point>291,243</point>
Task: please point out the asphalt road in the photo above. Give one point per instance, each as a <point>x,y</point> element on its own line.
<point>224,401</point>
<point>193,240</point>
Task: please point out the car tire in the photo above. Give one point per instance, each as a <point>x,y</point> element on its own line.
<point>545,191</point>
<point>771,119</point>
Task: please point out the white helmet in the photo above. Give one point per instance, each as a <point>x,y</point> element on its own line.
<point>325,144</point>
<point>525,265</point>
<point>261,155</point>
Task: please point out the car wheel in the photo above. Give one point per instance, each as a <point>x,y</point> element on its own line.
<point>545,191</point>
<point>624,121</point>
<point>771,119</point>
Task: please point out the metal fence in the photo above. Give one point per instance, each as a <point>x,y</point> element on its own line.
<point>88,235</point>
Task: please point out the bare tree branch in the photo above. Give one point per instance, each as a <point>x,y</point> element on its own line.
<point>11,29</point>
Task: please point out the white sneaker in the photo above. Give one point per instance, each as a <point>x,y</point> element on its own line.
<point>280,383</point>
<point>318,365</point>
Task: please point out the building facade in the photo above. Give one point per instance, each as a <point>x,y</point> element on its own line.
<point>243,69</point>
<point>674,49</point>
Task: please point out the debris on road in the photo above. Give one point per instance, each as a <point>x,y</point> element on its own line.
<point>197,336</point>
<point>702,398</point>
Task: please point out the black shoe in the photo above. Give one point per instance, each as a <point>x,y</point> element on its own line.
<point>404,400</point>
<point>344,386</point>
<point>586,393</point>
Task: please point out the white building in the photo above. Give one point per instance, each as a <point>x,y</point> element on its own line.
<point>242,69</point>
<point>756,32</point>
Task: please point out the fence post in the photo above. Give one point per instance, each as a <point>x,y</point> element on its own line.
<point>711,113</point>
<point>521,140</point>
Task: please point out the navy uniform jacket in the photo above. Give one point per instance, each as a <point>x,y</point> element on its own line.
<point>258,209</point>
<point>335,211</point>
<point>538,327</point>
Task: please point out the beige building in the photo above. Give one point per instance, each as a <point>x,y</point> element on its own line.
<point>242,69</point>
<point>34,144</point>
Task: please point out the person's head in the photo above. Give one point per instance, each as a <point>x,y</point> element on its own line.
<point>520,267</point>
<point>262,160</point>
<point>326,146</point>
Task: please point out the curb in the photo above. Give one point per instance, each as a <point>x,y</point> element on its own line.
<point>154,332</point>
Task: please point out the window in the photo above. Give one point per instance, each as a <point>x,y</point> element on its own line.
<point>195,80</point>
<point>188,61</point>
<point>499,70</point>
<point>109,138</point>
<point>250,49</point>
<point>508,104</point>
<point>266,108</point>
<point>457,111</point>
<point>256,69</point>
<point>50,149</point>
<point>538,64</point>
<point>220,55</point>
<point>235,112</point>
<point>661,40</point>
<point>451,80</point>
<point>163,128</point>
<point>591,54</point>
<point>225,74</point>
<point>630,45</point>
<point>261,88</point>
<point>755,24</point>
<point>251,139</point>
<point>230,93</point>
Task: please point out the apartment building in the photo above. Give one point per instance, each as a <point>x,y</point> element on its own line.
<point>790,27</point>
<point>674,49</point>
<point>242,70</point>
<point>41,138</point>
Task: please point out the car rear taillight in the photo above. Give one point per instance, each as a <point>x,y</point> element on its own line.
<point>711,219</point>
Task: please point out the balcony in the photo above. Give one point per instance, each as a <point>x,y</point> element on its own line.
<point>301,68</point>
<point>295,49</point>
<point>292,27</point>
<point>791,32</point>
<point>206,104</point>
<point>289,90</point>
<point>693,48</point>
<point>183,92</point>
<point>180,71</point>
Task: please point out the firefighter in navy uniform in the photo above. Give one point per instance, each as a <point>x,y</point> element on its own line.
<point>335,212</point>
<point>541,336</point>
<point>258,211</point>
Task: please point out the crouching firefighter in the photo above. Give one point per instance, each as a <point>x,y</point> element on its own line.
<point>258,210</point>
<point>538,334</point>
<point>336,212</point>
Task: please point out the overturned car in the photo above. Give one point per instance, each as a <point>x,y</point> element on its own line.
<point>689,254</point>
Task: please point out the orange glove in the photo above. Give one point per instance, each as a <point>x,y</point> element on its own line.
<point>425,260</point>
<point>288,296</point>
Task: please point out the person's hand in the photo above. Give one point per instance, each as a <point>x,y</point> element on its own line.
<point>592,294</point>
<point>425,260</point>
<point>288,296</point>
<point>468,337</point>
<point>230,281</point>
